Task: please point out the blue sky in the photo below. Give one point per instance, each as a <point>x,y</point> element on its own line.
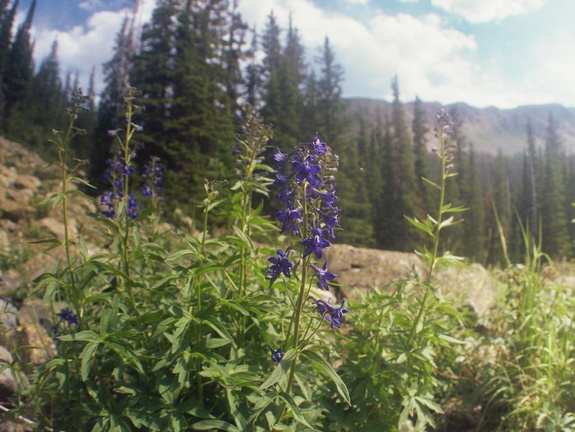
<point>502,53</point>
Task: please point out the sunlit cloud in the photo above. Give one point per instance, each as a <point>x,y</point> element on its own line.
<point>477,11</point>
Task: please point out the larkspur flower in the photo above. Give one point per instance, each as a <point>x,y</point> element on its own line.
<point>330,313</point>
<point>290,219</point>
<point>133,211</point>
<point>107,199</point>
<point>277,355</point>
<point>316,243</point>
<point>280,264</point>
<point>318,146</point>
<point>66,315</point>
<point>68,318</point>
<point>323,276</point>
<point>153,173</point>
<point>306,170</point>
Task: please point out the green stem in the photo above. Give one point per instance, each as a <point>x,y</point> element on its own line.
<point>436,238</point>
<point>63,150</point>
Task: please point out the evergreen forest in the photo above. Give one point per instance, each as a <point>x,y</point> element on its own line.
<point>198,68</point>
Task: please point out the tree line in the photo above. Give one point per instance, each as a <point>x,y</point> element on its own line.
<point>197,66</point>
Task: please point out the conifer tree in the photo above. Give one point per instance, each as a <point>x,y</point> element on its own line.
<point>352,186</point>
<point>110,109</point>
<point>201,120</point>
<point>47,91</point>
<point>253,74</point>
<point>553,214</point>
<point>474,244</point>
<point>329,105</point>
<point>402,181</point>
<point>530,200</point>
<point>18,78</point>
<point>501,206</point>
<point>420,129</point>
<point>284,72</point>
<point>375,168</point>
<point>6,24</point>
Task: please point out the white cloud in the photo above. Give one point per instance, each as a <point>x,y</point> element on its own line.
<point>433,61</point>
<point>427,57</point>
<point>357,2</point>
<point>477,11</point>
<point>86,46</point>
<point>91,5</point>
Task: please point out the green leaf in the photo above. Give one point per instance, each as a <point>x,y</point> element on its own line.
<point>214,424</point>
<point>294,408</point>
<point>263,402</point>
<point>421,226</point>
<point>248,242</point>
<point>85,336</point>
<point>281,369</point>
<point>80,193</point>
<point>450,339</point>
<point>88,355</point>
<point>435,185</point>
<point>325,367</point>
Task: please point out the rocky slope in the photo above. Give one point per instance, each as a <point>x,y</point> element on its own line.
<point>490,130</point>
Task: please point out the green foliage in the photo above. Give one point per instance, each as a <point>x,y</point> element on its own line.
<point>171,332</point>
<point>529,385</point>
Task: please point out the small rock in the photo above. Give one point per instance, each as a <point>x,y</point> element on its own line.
<point>362,268</point>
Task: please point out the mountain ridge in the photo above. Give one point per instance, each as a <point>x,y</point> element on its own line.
<point>488,130</point>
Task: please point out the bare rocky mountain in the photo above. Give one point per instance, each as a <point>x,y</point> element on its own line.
<point>488,129</point>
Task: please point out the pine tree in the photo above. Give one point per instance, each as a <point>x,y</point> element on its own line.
<point>553,214</point>
<point>6,24</point>
<point>253,75</point>
<point>47,91</point>
<point>529,206</point>
<point>375,170</point>
<point>284,74</point>
<point>110,109</point>
<point>353,183</point>
<point>501,206</point>
<point>474,244</point>
<point>402,181</point>
<point>329,105</point>
<point>426,192</point>
<point>18,79</point>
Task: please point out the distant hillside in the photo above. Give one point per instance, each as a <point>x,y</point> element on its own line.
<point>488,129</point>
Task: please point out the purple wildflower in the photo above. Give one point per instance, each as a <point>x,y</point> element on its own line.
<point>66,315</point>
<point>323,275</point>
<point>280,264</point>
<point>280,158</point>
<point>316,243</point>
<point>290,219</point>
<point>133,211</point>
<point>107,199</point>
<point>331,314</point>
<point>277,355</point>
<point>318,146</point>
<point>305,170</point>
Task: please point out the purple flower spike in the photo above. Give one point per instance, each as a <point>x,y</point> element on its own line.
<point>323,276</point>
<point>331,314</point>
<point>290,219</point>
<point>316,243</point>
<point>318,146</point>
<point>280,264</point>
